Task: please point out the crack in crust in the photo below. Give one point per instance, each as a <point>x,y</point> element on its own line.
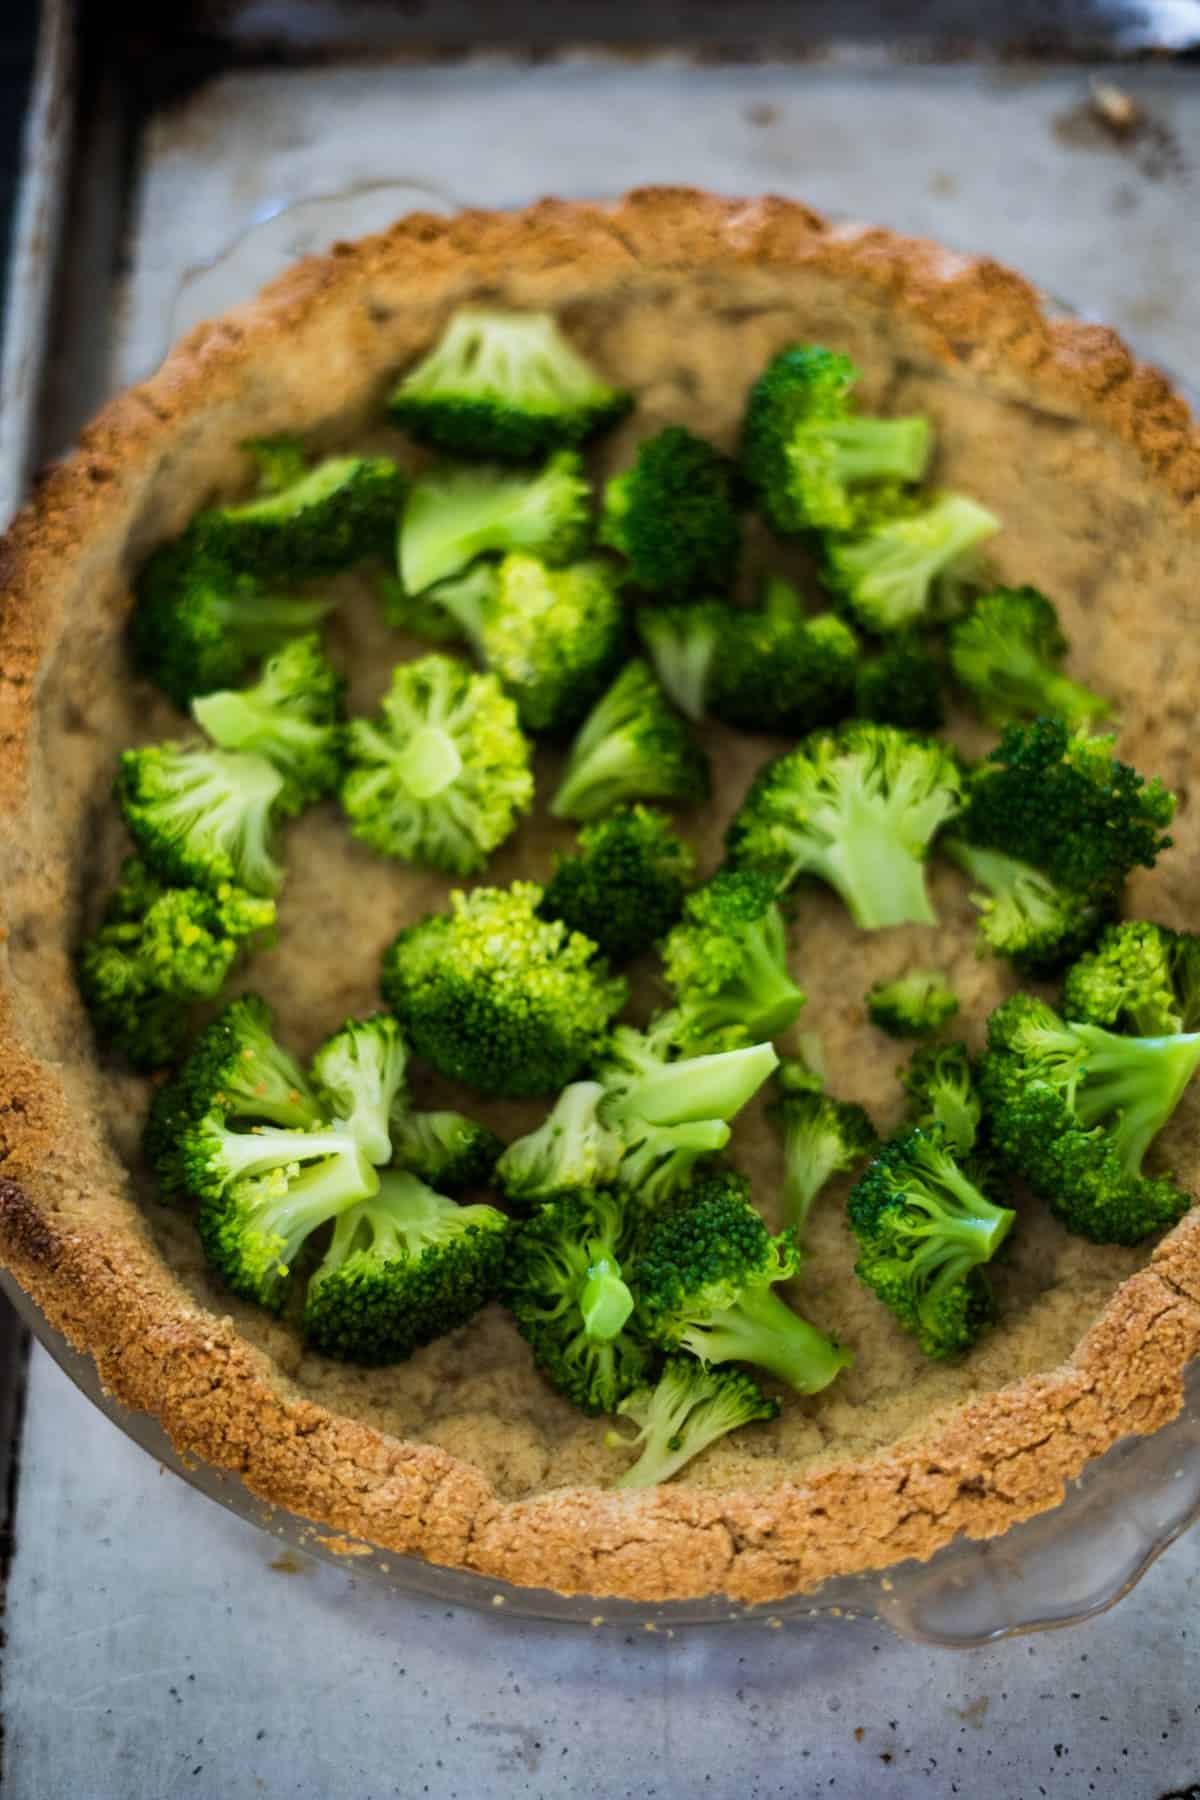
<point>998,1460</point>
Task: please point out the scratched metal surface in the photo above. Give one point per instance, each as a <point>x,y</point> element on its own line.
<point>156,1645</point>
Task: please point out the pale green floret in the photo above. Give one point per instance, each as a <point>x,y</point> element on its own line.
<point>455,515</point>
<point>887,571</point>
<point>916,1004</point>
<point>291,715</point>
<point>360,1073</point>
<point>572,1148</point>
<point>687,1409</point>
<point>202,817</point>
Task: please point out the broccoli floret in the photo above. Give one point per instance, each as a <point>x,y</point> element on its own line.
<point>359,1073</point>
<point>424,615</point>
<point>822,1137</point>
<point>504,385</point>
<point>924,1229</point>
<point>157,950</point>
<point>444,774</point>
<point>889,569</point>
<point>455,515</point>
<point>335,514</point>
<point>554,638</point>
<point>726,962</point>
<point>772,670</point>
<point>916,1004</point>
<point>1073,1109</point>
<point>625,886</point>
<point>673,516</point>
<point>805,449</point>
<point>1008,652</point>
<point>404,1266</point>
<point>858,808</point>
<point>687,1409</point>
<point>901,686</point>
<point>1141,978</point>
<point>446,1149</point>
<point>571,1303</point>
<point>1024,915</point>
<point>662,1161</point>
<point>264,1192</point>
<point>940,1084</point>
<point>279,461</point>
<point>291,715</point>
<point>197,625</point>
<point>705,1284</point>
<point>495,996</point>
<point>631,746</point>
<point>570,1150</point>
<point>201,817</point>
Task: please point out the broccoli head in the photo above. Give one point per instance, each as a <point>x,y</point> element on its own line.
<point>1024,915</point>
<point>201,817</point>
<point>916,1004</point>
<point>359,1074</point>
<point>572,1149</point>
<point>805,450</point>
<point>1140,978</point>
<point>673,516</point>
<point>857,808</point>
<point>291,715</point>
<point>335,514</point>
<point>688,1408</point>
<point>494,995</point>
<point>890,571</point>
<point>504,385</point>
<point>1008,651</point>
<point>446,1149</point>
<point>822,1137</point>
<point>940,1084</point>
<point>901,686</point>
<point>444,774</point>
<point>726,962</point>
<point>626,884</point>
<point>631,746</point>
<point>454,515</point>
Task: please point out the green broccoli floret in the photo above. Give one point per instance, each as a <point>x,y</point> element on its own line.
<point>822,1137</point>
<point>455,515</point>
<point>625,886</point>
<point>504,385</point>
<point>197,625</point>
<point>705,1284</point>
<point>554,638</point>
<point>916,1004</point>
<point>901,686</point>
<point>201,817</point>
<point>1073,1109</point>
<point>1024,915</point>
<point>940,1084</point>
<point>673,516</point>
<point>805,449</point>
<point>446,1149</point>
<point>495,996</point>
<point>291,715</point>
<point>1008,650</point>
<point>404,1266</point>
<point>857,808</point>
<point>335,514</point>
<point>726,962</point>
<point>771,670</point>
<point>890,568</point>
<point>159,949</point>
<point>279,461</point>
<point>572,1149</point>
<point>1141,978</point>
<point>687,1409</point>
<point>631,746</point>
<point>571,1303</point>
<point>359,1074</point>
<point>444,774</point>
<point>924,1230</point>
<point>264,1192</point>
<point>425,615</point>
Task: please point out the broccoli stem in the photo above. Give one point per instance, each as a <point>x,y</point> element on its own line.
<point>428,762</point>
<point>1138,1079</point>
<point>605,1301</point>
<point>868,449</point>
<point>762,1329</point>
<point>876,874</point>
<point>608,774</point>
<point>699,1087</point>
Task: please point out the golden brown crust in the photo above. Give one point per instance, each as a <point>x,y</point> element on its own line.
<point>999,1459</point>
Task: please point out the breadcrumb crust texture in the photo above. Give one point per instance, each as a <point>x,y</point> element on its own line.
<point>327,336</point>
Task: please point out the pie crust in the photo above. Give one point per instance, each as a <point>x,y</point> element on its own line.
<point>316,350</point>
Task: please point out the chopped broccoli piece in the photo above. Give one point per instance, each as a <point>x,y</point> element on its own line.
<point>570,1150</point>
<point>887,570</point>
<point>1023,914</point>
<point>901,686</point>
<point>924,1230</point>
<point>625,886</point>
<point>444,774</point>
<point>504,385</point>
<point>662,1161</point>
<point>197,625</point>
<point>1073,1109</point>
<point>455,515</point>
<point>291,716</point>
<point>157,950</point>
<point>726,962</point>
<point>446,1149</point>
<point>940,1084</point>
<point>858,808</point>
<point>805,449</point>
<point>201,817</point>
<point>631,746</point>
<point>687,1409</point>
<point>404,1266</point>
<point>822,1137</point>
<point>673,516</point>
<point>705,1284</point>
<point>916,1004</point>
<point>424,615</point>
<point>359,1073</point>
<point>1141,978</point>
<point>571,1303</point>
<point>1008,650</point>
<point>492,995</point>
<point>279,461</point>
<point>335,514</point>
